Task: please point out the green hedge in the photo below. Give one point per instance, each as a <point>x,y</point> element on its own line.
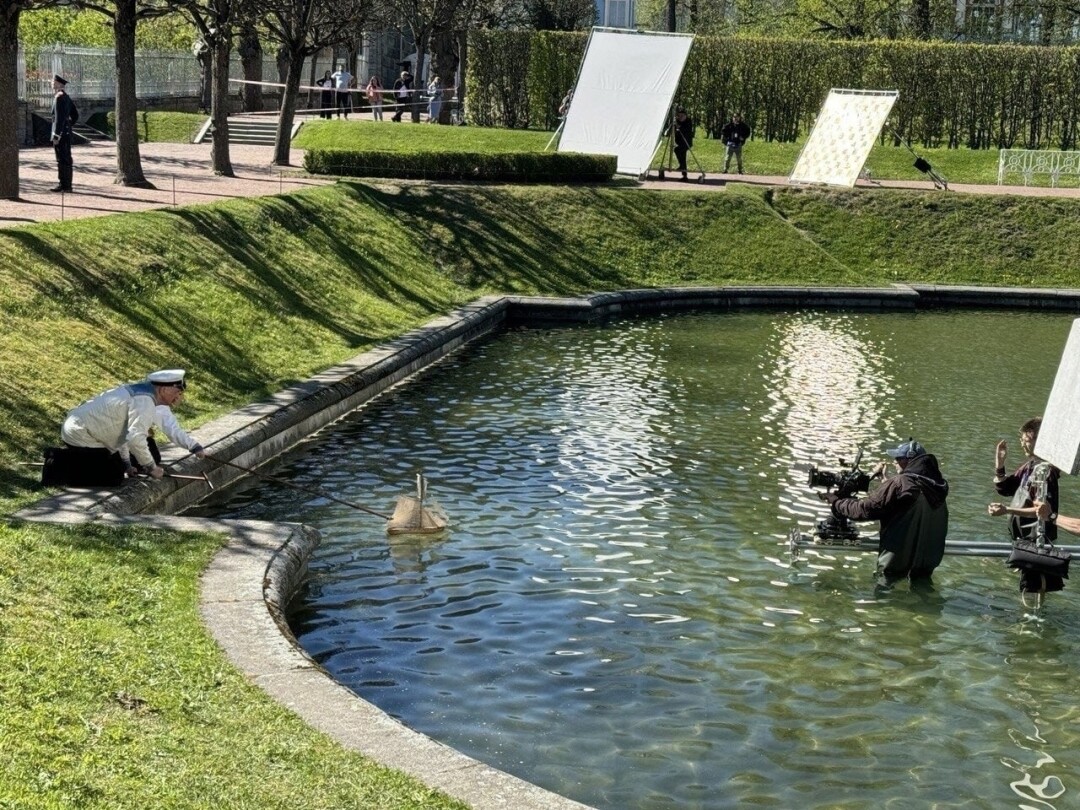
<point>520,167</point>
<point>978,96</point>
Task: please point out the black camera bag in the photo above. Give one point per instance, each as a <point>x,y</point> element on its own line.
<point>1028,556</point>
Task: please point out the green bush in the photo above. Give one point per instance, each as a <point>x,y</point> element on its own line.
<point>521,167</point>
<point>952,95</point>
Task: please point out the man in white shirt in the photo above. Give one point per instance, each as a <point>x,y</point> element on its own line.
<point>99,434</point>
<point>342,83</point>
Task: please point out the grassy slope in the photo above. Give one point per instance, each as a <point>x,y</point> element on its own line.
<point>114,696</point>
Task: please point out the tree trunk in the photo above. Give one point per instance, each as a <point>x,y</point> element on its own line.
<point>129,170</point>
<point>463,63</point>
<point>289,95</point>
<point>671,16</point>
<point>444,63</point>
<point>219,105</point>
<point>921,12</point>
<point>9,100</point>
<point>419,83</point>
<point>251,57</point>
<point>312,76</point>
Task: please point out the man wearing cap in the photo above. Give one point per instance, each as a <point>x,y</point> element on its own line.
<point>99,434</point>
<point>62,110</point>
<point>912,510</point>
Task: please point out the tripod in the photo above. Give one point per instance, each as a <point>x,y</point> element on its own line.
<point>671,135</point>
<point>922,164</point>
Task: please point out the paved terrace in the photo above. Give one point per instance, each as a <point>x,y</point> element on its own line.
<point>180,173</point>
<point>182,176</point>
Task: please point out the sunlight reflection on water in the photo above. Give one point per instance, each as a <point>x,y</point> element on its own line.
<point>613,615</point>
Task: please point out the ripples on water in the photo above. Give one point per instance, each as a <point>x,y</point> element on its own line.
<point>613,616</point>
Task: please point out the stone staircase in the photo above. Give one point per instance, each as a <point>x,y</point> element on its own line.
<point>84,134</point>
<point>260,130</point>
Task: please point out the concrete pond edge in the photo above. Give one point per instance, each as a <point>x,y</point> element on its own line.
<point>247,587</point>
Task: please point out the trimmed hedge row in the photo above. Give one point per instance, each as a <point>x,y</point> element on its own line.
<point>978,96</point>
<point>518,167</point>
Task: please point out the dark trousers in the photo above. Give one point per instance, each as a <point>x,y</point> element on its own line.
<point>82,467</point>
<point>680,155</point>
<point>64,165</point>
<point>344,103</point>
<point>326,101</point>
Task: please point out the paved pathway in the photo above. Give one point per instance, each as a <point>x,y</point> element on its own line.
<point>182,176</point>
<point>179,171</point>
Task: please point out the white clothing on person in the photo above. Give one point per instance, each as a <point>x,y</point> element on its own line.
<point>342,79</point>
<point>119,419</point>
<point>165,419</point>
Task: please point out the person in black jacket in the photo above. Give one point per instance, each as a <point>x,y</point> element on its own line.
<point>734,135</point>
<point>682,134</point>
<point>62,110</point>
<point>912,510</point>
<point>326,96</point>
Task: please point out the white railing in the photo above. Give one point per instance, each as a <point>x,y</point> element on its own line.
<point>1031,162</point>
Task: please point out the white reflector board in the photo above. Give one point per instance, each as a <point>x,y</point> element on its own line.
<point>844,133</point>
<point>623,95</point>
<point>1059,436</point>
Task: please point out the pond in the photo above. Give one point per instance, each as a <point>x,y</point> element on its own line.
<point>613,614</point>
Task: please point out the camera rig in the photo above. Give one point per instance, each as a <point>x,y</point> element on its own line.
<point>846,482</point>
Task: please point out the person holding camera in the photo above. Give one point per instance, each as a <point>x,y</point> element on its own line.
<point>912,510</point>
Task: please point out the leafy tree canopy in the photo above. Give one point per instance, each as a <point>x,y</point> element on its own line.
<point>40,28</point>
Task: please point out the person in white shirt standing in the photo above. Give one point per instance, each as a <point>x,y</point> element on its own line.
<point>342,83</point>
<point>99,434</point>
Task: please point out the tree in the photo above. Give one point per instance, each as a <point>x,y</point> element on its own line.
<point>125,15</point>
<point>10,13</point>
<point>214,20</point>
<point>304,27</point>
<point>250,49</point>
<point>559,15</point>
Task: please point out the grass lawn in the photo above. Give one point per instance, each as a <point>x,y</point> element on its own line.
<point>886,162</point>
<point>155,126</point>
<point>114,695</point>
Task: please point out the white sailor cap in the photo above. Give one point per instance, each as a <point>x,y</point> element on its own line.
<point>171,376</point>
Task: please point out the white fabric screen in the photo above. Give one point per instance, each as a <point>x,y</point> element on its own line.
<point>1059,436</point>
<point>623,96</point>
<point>842,136</point>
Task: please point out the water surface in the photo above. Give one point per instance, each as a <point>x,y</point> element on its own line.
<point>613,615</point>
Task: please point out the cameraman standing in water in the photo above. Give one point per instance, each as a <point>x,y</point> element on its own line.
<point>913,514</point>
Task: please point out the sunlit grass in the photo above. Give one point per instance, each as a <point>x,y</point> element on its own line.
<point>114,696</point>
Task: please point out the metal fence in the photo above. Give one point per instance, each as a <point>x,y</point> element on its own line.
<point>91,73</point>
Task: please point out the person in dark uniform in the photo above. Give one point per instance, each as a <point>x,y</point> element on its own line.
<point>682,133</point>
<point>913,513</point>
<point>61,133</point>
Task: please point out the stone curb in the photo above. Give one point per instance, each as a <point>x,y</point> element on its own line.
<point>248,584</point>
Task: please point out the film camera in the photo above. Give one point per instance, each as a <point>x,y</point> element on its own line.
<point>846,483</point>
